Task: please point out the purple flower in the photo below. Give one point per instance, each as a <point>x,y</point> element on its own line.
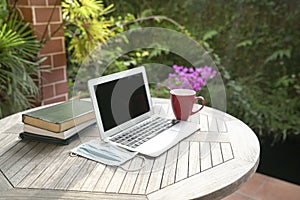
<point>189,78</point>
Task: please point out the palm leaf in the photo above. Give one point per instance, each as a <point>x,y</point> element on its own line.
<point>18,62</point>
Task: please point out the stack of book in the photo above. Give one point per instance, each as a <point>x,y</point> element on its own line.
<point>59,123</point>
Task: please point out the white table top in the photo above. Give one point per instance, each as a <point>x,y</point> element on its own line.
<point>210,164</point>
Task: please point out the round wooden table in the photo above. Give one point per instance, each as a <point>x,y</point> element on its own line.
<point>210,164</point>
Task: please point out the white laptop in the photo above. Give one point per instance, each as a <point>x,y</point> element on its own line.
<point>125,116</point>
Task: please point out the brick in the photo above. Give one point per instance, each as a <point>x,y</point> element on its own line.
<point>48,92</point>
<point>57,30</point>
<point>39,31</point>
<point>53,46</point>
<point>54,76</point>
<point>46,64</point>
<point>26,14</point>
<point>55,100</point>
<point>42,15</point>
<point>54,2</point>
<point>61,88</point>
<point>59,60</point>
<point>37,2</point>
<point>19,3</point>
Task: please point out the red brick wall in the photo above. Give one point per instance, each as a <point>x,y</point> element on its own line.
<point>53,83</point>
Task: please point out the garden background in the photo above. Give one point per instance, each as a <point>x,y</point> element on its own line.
<point>255,44</point>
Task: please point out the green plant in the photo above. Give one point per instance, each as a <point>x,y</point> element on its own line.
<point>18,66</point>
<point>85,26</point>
<point>258,43</point>
<point>89,23</point>
<point>3,10</point>
<point>271,109</point>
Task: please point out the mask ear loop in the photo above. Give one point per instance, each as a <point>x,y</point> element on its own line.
<point>136,169</point>
<point>71,154</point>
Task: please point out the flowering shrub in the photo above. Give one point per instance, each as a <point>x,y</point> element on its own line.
<point>189,78</point>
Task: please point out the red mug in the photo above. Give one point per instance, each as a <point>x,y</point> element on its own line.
<point>182,103</point>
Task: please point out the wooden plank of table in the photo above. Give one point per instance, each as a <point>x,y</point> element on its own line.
<point>212,124</point>
<point>11,152</point>
<point>219,184</point>
<point>156,173</point>
<point>18,154</point>
<point>221,126</point>
<point>209,136</point>
<point>130,178</point>
<point>40,166</point>
<point>143,178</point>
<point>60,171</point>
<point>58,165</point>
<point>170,167</point>
<point>2,138</point>
<point>14,129</point>
<point>226,151</point>
<point>203,122</point>
<point>71,173</point>
<point>8,122</point>
<point>170,112</point>
<point>7,141</point>
<point>23,161</point>
<point>194,158</point>
<point>194,118</point>
<point>105,179</point>
<point>118,178</point>
<point>166,110</point>
<point>183,161</point>
<point>93,177</point>
<point>36,194</point>
<point>82,175</point>
<point>205,155</point>
<point>4,183</point>
<point>30,166</point>
<point>156,108</point>
<point>243,141</point>
<point>216,153</point>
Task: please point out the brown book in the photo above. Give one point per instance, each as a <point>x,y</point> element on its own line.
<point>61,135</point>
<point>60,117</point>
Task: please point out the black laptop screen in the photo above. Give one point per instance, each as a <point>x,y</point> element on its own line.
<point>121,100</point>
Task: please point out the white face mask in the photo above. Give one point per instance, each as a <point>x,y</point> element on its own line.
<point>105,153</point>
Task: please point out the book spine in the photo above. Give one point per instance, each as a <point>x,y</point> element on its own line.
<point>41,123</point>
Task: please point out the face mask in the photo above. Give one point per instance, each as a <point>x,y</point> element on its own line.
<point>105,153</point>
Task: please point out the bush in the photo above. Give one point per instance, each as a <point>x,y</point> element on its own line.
<point>258,43</point>
<point>18,65</point>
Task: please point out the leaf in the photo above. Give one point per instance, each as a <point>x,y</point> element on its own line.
<point>18,54</point>
<point>244,43</point>
<point>280,54</point>
<point>210,34</point>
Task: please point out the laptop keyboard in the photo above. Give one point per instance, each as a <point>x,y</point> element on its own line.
<point>143,132</point>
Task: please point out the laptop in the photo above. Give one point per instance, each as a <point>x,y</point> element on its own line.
<point>125,116</point>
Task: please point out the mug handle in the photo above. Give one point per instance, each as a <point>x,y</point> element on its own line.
<point>203,104</point>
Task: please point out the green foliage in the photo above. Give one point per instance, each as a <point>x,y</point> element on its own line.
<point>18,64</point>
<point>89,23</point>
<point>85,26</point>
<point>210,34</point>
<point>276,114</point>
<point>258,43</point>
<point>278,55</point>
<point>3,10</point>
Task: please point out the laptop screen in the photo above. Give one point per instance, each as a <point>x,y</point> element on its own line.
<point>121,100</point>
